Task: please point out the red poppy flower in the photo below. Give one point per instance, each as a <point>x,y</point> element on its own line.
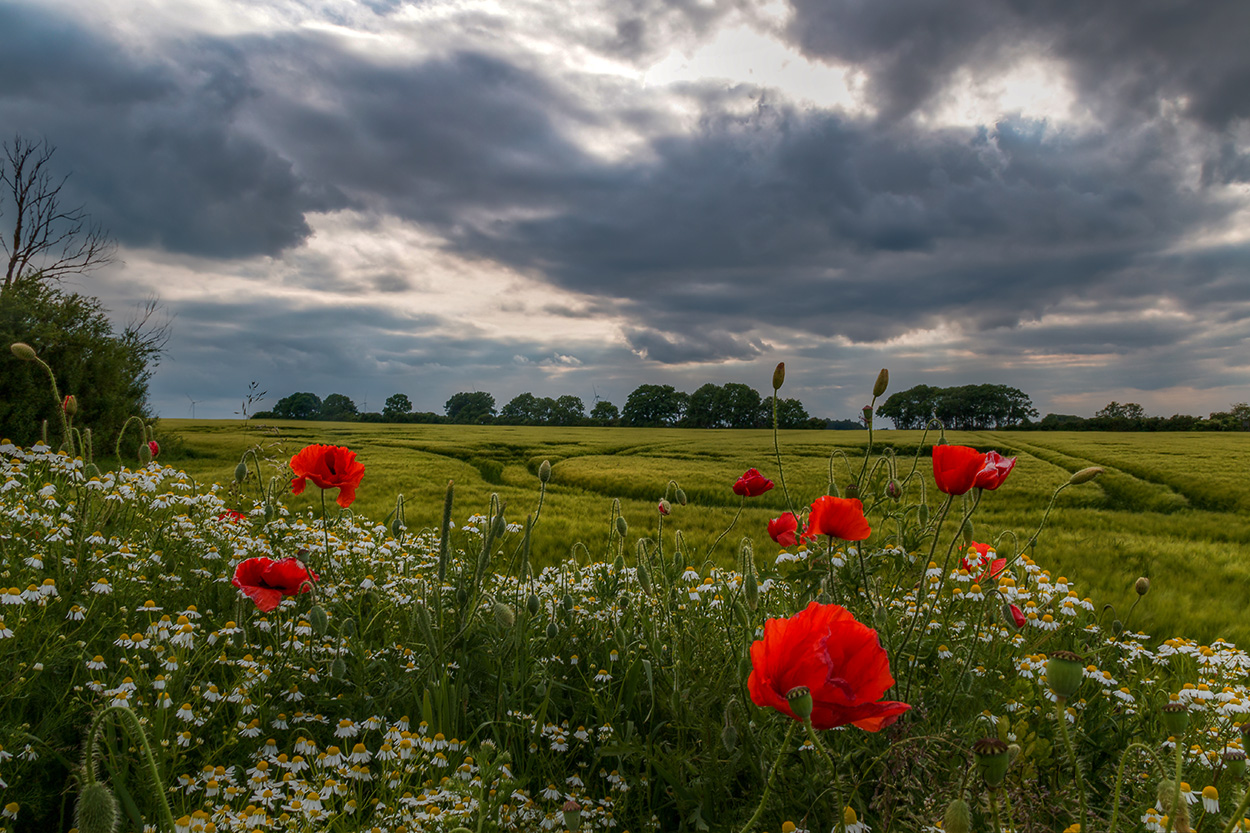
<point>840,661</point>
<point>1017,616</point>
<point>841,517</point>
<point>752,484</point>
<point>328,467</point>
<point>955,468</point>
<point>783,529</point>
<point>972,563</point>
<point>154,448</point>
<point>266,581</point>
<point>232,516</point>
<point>995,470</point>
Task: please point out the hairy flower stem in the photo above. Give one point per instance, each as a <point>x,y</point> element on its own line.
<point>1062,717</point>
<point>1239,813</point>
<point>998,826</point>
<point>732,523</point>
<point>325,532</point>
<point>1176,791</point>
<point>130,722</point>
<point>785,744</point>
<point>1119,778</point>
<point>833,774</point>
<point>924,568</point>
<point>781,472</point>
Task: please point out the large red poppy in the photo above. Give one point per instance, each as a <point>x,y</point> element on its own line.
<point>328,467</point>
<point>995,470</point>
<point>841,517</point>
<point>752,484</point>
<point>783,530</point>
<point>266,581</point>
<point>955,468</point>
<point>840,661</point>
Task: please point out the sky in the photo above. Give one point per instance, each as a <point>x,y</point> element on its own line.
<point>582,196</point>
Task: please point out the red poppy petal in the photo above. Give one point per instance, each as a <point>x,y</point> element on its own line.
<point>266,598</point>
<point>249,573</point>
<point>955,468</point>
<point>297,485</point>
<point>286,575</point>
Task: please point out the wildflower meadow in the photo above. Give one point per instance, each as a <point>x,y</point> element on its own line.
<point>191,657</point>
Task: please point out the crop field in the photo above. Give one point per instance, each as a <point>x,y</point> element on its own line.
<point>1173,507</point>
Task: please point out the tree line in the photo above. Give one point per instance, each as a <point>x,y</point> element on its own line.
<point>733,405</point>
<point>1130,416</point>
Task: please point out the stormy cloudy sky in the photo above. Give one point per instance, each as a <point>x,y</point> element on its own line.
<point>580,196</point>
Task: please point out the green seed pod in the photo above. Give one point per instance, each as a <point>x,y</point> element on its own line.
<point>992,760</point>
<point>1175,718</point>
<point>533,604</point>
<point>572,813</point>
<point>883,382</point>
<point>552,630</point>
<point>1064,671</point>
<point>958,817</point>
<point>240,472</point>
<point>729,737</point>
<point>922,515</point>
<point>338,668</point>
<point>621,526</point>
<point>680,496</point>
<point>852,490</point>
<point>800,700</point>
<point>544,471</point>
<point>567,602</point>
<point>23,351</point>
<point>1084,475</point>
<point>318,619</point>
<point>1235,763</point>
<point>97,810</point>
<point>779,375</point>
<point>348,628</point>
<point>751,589</point>
<point>505,617</point>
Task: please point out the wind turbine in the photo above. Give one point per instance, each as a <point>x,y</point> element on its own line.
<point>193,401</point>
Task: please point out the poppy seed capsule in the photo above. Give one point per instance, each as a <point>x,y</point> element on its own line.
<point>992,759</point>
<point>1175,718</point>
<point>779,375</point>
<point>544,471</point>
<point>883,382</point>
<point>1142,586</point>
<point>1084,475</point>
<point>23,351</point>
<point>1235,763</point>
<point>572,812</point>
<point>800,700</point>
<point>1064,671</point>
<point>958,817</point>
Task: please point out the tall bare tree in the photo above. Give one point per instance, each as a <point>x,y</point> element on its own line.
<point>47,240</point>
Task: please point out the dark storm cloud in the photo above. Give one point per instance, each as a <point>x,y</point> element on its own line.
<point>157,153</point>
<point>1124,55</point>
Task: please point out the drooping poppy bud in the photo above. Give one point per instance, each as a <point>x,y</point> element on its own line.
<point>883,382</point>
<point>665,507</point>
<point>24,351</point>
<point>779,375</point>
<point>1142,586</point>
<point>240,472</point>
<point>544,471</point>
<point>97,810</point>
<point>958,817</point>
<point>1084,475</point>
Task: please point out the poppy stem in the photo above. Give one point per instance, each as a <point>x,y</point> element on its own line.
<point>772,774</point>
<point>781,472</point>
<point>732,523</point>
<point>833,773</point>
<point>325,531</point>
<point>1119,779</point>
<point>924,569</point>
<point>1062,717</point>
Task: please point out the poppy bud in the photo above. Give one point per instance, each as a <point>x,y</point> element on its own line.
<point>348,628</point>
<point>69,405</point>
<point>779,375</point>
<point>338,668</point>
<point>92,470</point>
<point>1084,475</point>
<point>567,602</point>
<point>729,737</point>
<point>544,471</point>
<point>893,490</point>
<point>1175,718</point>
<point>318,619</point>
<point>505,617</point>
<point>1142,586</point>
<point>883,382</point>
<point>1235,763</point>
<point>800,700</point>
<point>922,514</point>
<point>867,414</point>
<point>552,630</point>
<point>462,597</point>
<point>572,812</point>
<point>532,604</point>
<point>1117,627</point>
<point>1014,615</point>
<point>1064,672</point>
<point>958,817</point>
<point>154,448</point>
<point>644,578</point>
<point>24,351</point>
<point>751,589</point>
<point>240,472</point>
<point>1180,813</point>
<point>145,453</point>
<point>967,531</point>
<point>665,507</point>
<point>992,760</point>
<point>97,810</point>
<point>270,512</point>
<point>397,527</point>
<point>618,564</point>
<point>680,496</point>
<point>621,526</point>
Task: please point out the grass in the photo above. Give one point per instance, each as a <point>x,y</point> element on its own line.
<point>1171,507</point>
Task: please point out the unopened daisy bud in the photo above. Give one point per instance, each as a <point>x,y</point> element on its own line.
<point>70,405</point>
<point>1142,586</point>
<point>621,526</point>
<point>1084,475</point>
<point>779,375</point>
<point>883,382</point>
<point>1175,718</point>
<point>505,617</point>
<point>544,471</point>
<point>1235,763</point>
<point>800,700</point>
<point>680,496</point>
<point>992,760</point>
<point>572,812</point>
<point>958,817</point>
<point>665,507</point>
<point>1064,671</point>
<point>23,351</point>
<point>97,810</point>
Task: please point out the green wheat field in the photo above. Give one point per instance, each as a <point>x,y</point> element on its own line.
<point>1172,507</point>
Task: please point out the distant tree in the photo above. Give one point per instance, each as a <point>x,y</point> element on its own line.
<point>654,406</point>
<point>477,407</point>
<point>525,409</point>
<point>301,405</point>
<point>705,408</point>
<point>967,407</point>
<point>1116,417</point>
<point>396,407</point>
<point>844,425</point>
<point>791,414</point>
<point>1062,422</point>
<point>742,406</point>
<point>567,410</point>
<point>604,413</point>
<point>910,408</point>
<point>338,407</point>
